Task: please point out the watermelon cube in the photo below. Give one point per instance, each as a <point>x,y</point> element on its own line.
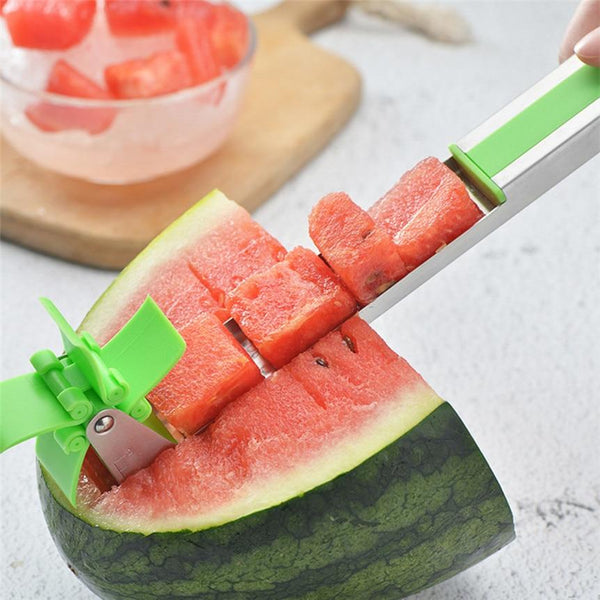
<point>288,307</point>
<point>395,209</point>
<point>178,293</point>
<point>139,17</point>
<point>448,214</point>
<point>428,208</point>
<point>193,40</point>
<point>233,250</point>
<point>214,370</point>
<point>229,35</point>
<point>161,73</point>
<point>357,249</point>
<point>265,429</point>
<point>48,24</point>
<point>66,80</point>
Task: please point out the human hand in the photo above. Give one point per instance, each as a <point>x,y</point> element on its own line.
<point>583,34</point>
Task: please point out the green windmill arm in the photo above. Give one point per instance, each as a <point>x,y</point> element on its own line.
<point>143,352</point>
<point>61,401</point>
<point>84,352</point>
<point>27,409</point>
<point>63,468</point>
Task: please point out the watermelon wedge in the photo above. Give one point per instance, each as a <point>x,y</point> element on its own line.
<point>355,247</point>
<point>332,490</point>
<point>343,475</point>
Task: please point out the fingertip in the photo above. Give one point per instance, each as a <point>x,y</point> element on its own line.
<point>588,48</point>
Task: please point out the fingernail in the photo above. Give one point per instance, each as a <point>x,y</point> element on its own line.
<point>589,45</point>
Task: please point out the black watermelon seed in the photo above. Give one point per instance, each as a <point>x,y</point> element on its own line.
<point>349,343</point>
<point>321,362</point>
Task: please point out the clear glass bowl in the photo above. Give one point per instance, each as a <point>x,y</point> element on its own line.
<point>146,138</point>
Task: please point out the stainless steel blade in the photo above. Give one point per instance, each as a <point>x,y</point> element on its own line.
<point>123,444</point>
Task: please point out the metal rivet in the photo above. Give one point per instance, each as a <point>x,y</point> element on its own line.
<point>104,424</point>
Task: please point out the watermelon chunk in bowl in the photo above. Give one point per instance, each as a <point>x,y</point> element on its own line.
<point>168,104</point>
<point>342,475</point>
<point>65,80</point>
<point>48,24</point>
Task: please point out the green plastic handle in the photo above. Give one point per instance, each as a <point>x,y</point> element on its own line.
<point>531,126</point>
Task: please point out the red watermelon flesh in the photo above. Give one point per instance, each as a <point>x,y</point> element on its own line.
<point>213,371</point>
<point>193,40</point>
<point>357,249</point>
<point>232,252</point>
<point>415,188</point>
<point>139,17</point>
<point>449,213</point>
<point>288,307</point>
<point>159,74</point>
<point>64,79</point>
<point>189,267</point>
<point>178,293</point>
<point>48,24</point>
<point>229,35</point>
<point>277,432</point>
<point>347,369</point>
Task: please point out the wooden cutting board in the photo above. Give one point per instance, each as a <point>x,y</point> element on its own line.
<point>299,96</point>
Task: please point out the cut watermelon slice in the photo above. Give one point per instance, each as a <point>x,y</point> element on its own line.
<point>213,371</point>
<point>162,73</point>
<point>48,24</point>
<point>357,249</point>
<point>291,305</point>
<point>66,80</point>
<point>281,422</point>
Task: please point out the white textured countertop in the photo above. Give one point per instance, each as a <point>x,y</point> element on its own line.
<point>508,334</point>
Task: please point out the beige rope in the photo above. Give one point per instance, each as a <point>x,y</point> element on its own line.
<point>441,23</point>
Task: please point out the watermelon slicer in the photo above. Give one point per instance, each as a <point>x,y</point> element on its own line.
<point>93,395</point>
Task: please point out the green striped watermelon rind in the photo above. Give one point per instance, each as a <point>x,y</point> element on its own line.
<point>419,511</point>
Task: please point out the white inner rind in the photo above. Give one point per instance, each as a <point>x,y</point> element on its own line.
<point>395,417</point>
<point>185,232</point>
